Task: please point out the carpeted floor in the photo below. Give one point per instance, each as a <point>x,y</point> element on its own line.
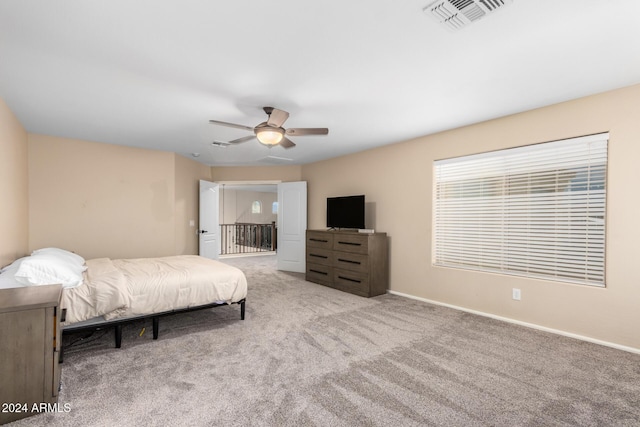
<point>308,355</point>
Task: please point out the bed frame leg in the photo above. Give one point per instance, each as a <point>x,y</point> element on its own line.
<point>242,309</point>
<point>156,327</point>
<point>119,335</point>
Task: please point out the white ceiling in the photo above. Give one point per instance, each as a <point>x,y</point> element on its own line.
<point>151,73</point>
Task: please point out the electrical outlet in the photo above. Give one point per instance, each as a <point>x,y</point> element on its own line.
<point>516,294</point>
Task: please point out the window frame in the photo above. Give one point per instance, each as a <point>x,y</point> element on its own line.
<point>541,189</point>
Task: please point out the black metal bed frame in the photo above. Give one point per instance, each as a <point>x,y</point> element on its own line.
<point>155,317</point>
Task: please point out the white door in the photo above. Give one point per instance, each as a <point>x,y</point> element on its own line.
<point>209,236</point>
<point>292,225</point>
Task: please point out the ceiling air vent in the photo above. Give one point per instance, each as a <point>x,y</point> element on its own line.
<point>456,14</point>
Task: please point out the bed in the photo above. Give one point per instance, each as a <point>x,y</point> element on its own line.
<point>104,292</point>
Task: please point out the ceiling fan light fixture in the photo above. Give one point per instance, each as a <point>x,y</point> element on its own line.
<point>269,136</point>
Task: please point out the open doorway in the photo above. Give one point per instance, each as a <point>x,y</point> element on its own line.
<point>248,218</point>
<point>288,227</point>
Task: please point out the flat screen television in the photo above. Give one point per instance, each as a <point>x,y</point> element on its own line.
<point>345,212</point>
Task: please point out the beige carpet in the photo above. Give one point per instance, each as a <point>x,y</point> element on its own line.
<point>307,355</point>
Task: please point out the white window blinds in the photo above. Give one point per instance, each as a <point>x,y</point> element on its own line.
<point>536,211</point>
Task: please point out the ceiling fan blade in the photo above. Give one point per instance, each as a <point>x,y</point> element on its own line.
<point>307,131</point>
<point>277,117</point>
<point>243,139</point>
<point>233,125</point>
<point>287,143</point>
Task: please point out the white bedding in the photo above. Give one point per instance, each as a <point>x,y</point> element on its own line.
<point>134,287</point>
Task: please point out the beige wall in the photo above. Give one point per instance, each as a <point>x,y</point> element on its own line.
<point>188,174</point>
<point>101,200</point>
<point>235,206</point>
<point>14,231</point>
<point>121,202</point>
<point>397,182</point>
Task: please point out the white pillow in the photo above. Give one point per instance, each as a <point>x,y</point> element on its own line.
<point>62,254</point>
<point>7,275</point>
<point>48,269</point>
<point>13,266</point>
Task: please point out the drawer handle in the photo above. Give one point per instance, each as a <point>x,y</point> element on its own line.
<point>350,243</point>
<point>318,240</point>
<point>349,261</point>
<point>319,272</point>
<point>319,256</point>
<point>349,279</point>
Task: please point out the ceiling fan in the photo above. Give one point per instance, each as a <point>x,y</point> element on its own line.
<point>271,132</point>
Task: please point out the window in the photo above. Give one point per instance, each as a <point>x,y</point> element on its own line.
<point>274,208</point>
<point>256,207</point>
<point>535,211</point>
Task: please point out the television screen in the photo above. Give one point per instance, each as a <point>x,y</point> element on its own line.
<point>345,212</point>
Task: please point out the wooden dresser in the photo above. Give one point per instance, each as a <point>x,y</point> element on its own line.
<point>29,350</point>
<point>347,260</point>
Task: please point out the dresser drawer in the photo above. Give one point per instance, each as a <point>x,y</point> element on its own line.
<point>350,281</point>
<point>319,256</point>
<point>318,273</point>
<point>319,239</point>
<point>351,261</point>
<point>348,242</point>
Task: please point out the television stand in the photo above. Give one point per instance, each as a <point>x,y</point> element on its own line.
<point>348,260</point>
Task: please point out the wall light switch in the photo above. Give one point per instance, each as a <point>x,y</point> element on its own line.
<point>516,294</point>
<point>192,223</point>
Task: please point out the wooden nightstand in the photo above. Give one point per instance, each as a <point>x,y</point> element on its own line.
<point>29,350</point>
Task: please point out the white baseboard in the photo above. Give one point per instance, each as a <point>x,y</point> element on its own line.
<point>518,322</point>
